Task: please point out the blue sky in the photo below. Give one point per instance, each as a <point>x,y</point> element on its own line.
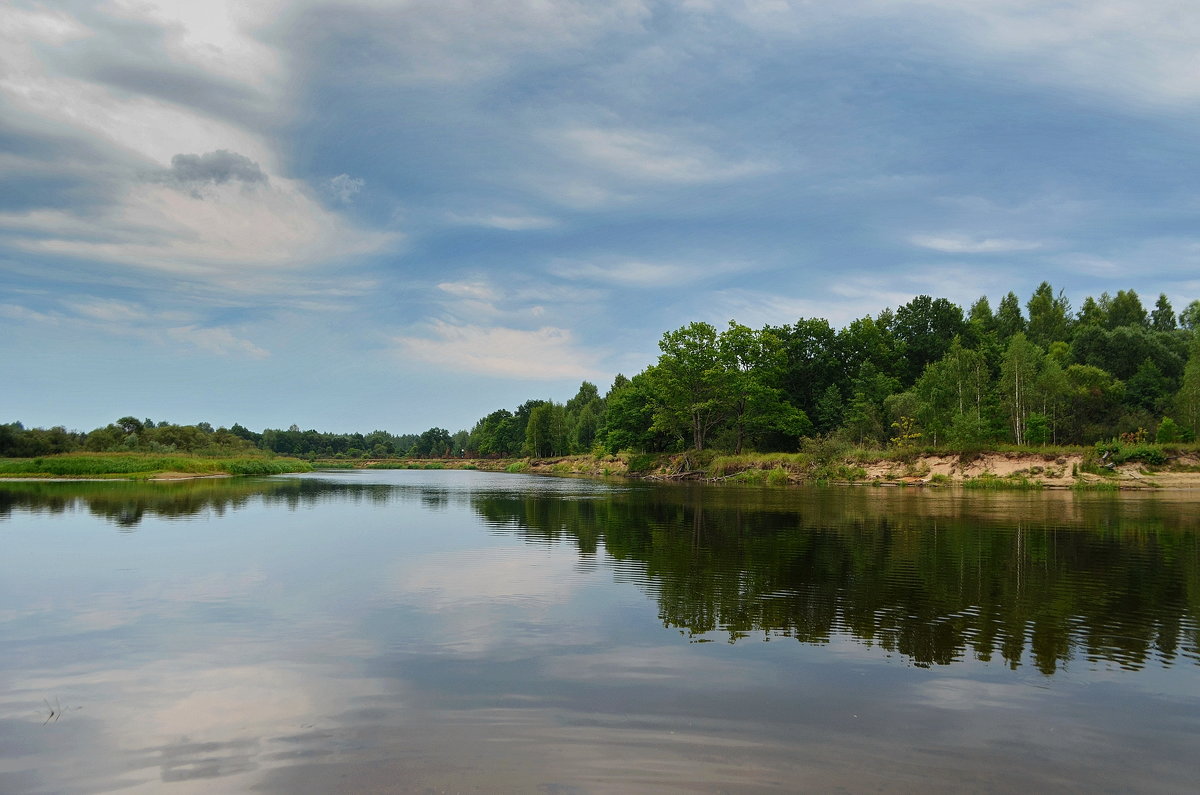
<point>395,215</point>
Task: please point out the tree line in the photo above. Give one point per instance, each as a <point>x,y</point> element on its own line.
<point>926,373</point>
<point>130,434</point>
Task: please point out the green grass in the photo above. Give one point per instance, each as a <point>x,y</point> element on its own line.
<point>1009,482</point>
<point>517,466</point>
<point>1103,485</point>
<point>140,465</point>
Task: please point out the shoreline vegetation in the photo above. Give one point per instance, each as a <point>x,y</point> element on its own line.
<point>144,466</point>
<point>1101,468</point>
<point>1104,397</point>
<point>1008,469</point>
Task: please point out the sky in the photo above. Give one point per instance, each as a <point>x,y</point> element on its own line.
<point>397,215</point>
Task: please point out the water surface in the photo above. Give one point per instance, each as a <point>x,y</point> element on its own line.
<point>466,631</point>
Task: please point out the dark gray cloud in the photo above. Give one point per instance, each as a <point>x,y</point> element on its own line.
<point>216,167</point>
<point>211,168</point>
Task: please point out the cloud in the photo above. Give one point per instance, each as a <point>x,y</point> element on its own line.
<point>546,353</point>
<point>210,168</point>
<point>345,187</point>
<point>953,244</point>
<point>652,156</point>
<point>640,273</point>
<point>235,240</point>
<point>1137,50</point>
<point>220,341</point>
<point>120,319</point>
<point>475,290</point>
<point>509,223</point>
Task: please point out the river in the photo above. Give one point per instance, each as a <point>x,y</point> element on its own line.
<point>459,631</point>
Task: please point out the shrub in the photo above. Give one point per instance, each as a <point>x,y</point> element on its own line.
<point>1168,432</point>
<point>642,462</point>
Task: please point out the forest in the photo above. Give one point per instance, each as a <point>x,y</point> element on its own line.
<point>925,374</point>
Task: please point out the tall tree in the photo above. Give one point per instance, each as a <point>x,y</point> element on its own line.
<point>1090,313</point>
<point>693,382</point>
<point>925,327</point>
<point>953,392</point>
<point>754,361</point>
<point>1187,400</point>
<point>1189,318</point>
<point>1018,382</point>
<point>1125,309</point>
<point>1163,316</point>
<point>810,361</point>
<point>1009,320</point>
<point>1049,316</point>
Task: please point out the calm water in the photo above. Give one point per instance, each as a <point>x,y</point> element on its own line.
<point>464,631</point>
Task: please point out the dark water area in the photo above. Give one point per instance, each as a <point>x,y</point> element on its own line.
<point>411,631</point>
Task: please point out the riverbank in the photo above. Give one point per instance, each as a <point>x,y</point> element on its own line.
<point>144,466</point>
<point>1060,469</point>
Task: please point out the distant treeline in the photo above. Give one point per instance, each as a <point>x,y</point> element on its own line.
<point>925,374</point>
<point>130,434</point>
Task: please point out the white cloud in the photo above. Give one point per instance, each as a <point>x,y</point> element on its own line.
<point>344,187</point>
<point>545,353</point>
<point>131,320</point>
<point>476,290</point>
<point>212,216</point>
<point>509,223</point>
<point>1138,50</point>
<point>652,156</point>
<point>957,244</point>
<point>640,273</point>
<point>220,341</point>
<point>238,237</point>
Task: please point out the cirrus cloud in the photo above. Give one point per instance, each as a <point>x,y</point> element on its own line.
<point>546,353</point>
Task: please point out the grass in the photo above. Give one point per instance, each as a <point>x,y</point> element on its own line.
<point>142,465</point>
<point>1094,485</point>
<point>1009,482</point>
<point>517,467</point>
<point>405,465</point>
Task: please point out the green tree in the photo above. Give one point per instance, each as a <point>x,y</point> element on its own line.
<point>1189,318</point>
<point>546,431</point>
<point>1187,399</point>
<point>693,382</point>
<point>810,362</point>
<point>865,411</point>
<point>1018,381</point>
<point>753,361</point>
<point>631,405</point>
<point>954,386</point>
<point>924,327</point>
<point>1093,403</point>
<point>1125,309</point>
<point>1009,320</point>
<point>1147,388</point>
<point>433,443</point>
<point>1049,316</point>
<point>1163,316</point>
<point>1168,432</point>
<point>1090,313</point>
<point>829,410</point>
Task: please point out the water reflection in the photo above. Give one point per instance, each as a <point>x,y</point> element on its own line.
<point>1046,579</point>
<point>935,578</point>
<point>428,631</point>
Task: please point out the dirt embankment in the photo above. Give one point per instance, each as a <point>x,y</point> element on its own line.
<point>992,469</point>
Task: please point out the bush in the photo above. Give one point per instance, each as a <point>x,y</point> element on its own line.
<point>1168,432</point>
<point>642,462</point>
<point>1120,452</point>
